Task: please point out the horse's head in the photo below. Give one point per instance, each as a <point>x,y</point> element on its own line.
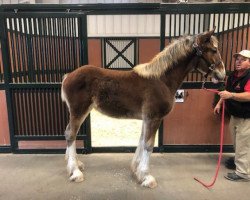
<point>210,62</point>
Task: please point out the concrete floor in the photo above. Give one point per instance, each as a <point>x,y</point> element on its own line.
<point>107,177</point>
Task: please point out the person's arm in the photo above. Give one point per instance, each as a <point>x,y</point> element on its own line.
<point>242,97</point>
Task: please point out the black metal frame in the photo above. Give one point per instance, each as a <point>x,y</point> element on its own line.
<point>81,12</point>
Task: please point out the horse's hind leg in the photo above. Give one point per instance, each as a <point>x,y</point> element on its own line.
<point>140,162</point>
<point>74,166</point>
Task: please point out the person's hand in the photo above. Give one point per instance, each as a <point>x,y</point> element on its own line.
<point>217,109</point>
<point>225,95</point>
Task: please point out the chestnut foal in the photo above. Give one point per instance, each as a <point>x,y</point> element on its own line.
<point>146,92</point>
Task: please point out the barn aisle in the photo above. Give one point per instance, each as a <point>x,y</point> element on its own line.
<point>107,177</point>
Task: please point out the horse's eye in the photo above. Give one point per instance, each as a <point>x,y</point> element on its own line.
<point>214,50</point>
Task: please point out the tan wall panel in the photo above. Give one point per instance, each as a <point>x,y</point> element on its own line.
<point>193,121</point>
<point>4,125</point>
<point>148,48</point>
<point>94,52</point>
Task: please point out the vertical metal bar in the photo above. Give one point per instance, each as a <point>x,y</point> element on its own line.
<point>184,29</point>
<point>66,42</point>
<point>45,53</point>
<point>52,52</point>
<point>213,20</point>
<point>17,123</point>
<point>59,111</point>
<point>170,28</point>
<point>248,27</point>
<point>52,111</point>
<point>237,32</point>
<point>175,25</point>
<point>31,112</point>
<point>83,35</point>
<point>218,25</point>
<point>198,31</point>
<point>56,56</point>
<point>232,42</point>
<point>28,111</point>
<point>189,22</point>
<point>39,112</point>
<point>162,46</point>
<point>84,39</point>
<point>43,112</point>
<point>76,41</point>
<point>36,36</point>
<point>162,31</point>
<point>49,45</point>
<point>25,111</point>
<point>199,23</point>
<point>71,45</point>
<point>179,24</point>
<point>17,52</point>
<point>55,112</point>
<point>38,52</point>
<point>135,51</point>
<point>204,22</point>
<point>60,46</point>
<point>19,104</point>
<point>228,24</point>
<point>105,53</point>
<point>23,49</point>
<point>47,104</point>
<point>242,33</point>
<point>30,53</point>
<point>63,58</point>
<point>13,49</point>
<point>34,111</point>
<point>193,72</point>
<point>223,30</point>
<point>41,52</point>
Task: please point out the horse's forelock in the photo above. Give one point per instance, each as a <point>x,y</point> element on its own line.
<point>166,58</point>
<point>214,41</point>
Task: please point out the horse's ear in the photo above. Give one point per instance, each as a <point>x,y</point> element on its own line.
<point>205,37</point>
<point>211,32</point>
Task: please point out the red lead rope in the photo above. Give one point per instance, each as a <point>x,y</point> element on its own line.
<point>209,185</point>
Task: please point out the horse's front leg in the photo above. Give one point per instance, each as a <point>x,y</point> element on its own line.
<point>140,162</point>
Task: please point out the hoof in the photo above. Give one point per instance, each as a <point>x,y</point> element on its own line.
<point>80,165</point>
<point>77,176</point>
<point>149,181</point>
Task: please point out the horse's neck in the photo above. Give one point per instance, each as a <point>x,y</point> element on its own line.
<point>174,77</point>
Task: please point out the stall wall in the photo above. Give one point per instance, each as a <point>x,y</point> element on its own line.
<point>193,121</point>
<point>4,126</point>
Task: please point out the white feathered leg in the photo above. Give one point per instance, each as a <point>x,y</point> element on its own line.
<point>140,162</point>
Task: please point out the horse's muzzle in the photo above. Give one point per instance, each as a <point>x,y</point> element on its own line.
<point>219,73</point>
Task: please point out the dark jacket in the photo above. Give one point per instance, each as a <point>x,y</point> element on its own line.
<point>236,85</point>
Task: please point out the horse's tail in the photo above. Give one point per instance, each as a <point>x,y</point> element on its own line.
<point>63,94</point>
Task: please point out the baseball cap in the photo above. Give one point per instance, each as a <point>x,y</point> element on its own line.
<point>244,53</point>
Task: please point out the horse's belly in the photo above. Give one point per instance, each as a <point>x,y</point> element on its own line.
<point>117,109</point>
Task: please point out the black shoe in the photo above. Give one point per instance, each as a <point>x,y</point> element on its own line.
<point>229,163</point>
<point>234,177</point>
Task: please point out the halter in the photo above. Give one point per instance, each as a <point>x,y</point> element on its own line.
<point>211,67</point>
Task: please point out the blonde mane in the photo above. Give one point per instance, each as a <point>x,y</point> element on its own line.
<point>163,61</point>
